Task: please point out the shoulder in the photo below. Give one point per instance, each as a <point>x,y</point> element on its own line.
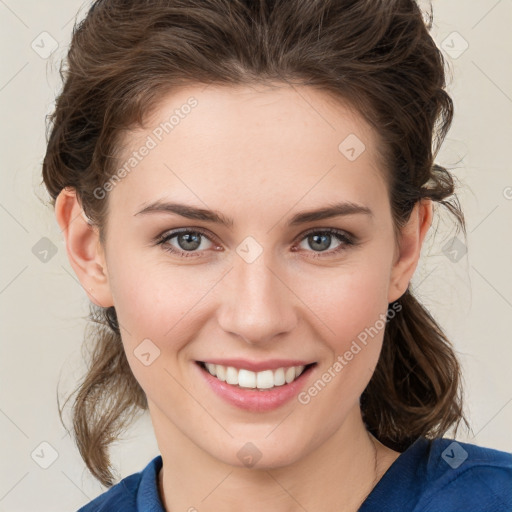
<point>129,493</point>
<point>444,475</point>
<point>464,476</point>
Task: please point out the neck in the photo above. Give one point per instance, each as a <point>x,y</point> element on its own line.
<point>336,476</point>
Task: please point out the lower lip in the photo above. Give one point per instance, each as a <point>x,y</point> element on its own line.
<point>255,400</point>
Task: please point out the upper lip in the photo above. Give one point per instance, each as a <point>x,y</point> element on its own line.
<point>258,366</point>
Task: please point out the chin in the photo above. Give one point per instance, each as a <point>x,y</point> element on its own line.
<point>260,452</point>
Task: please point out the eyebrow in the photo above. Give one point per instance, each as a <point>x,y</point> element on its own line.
<point>194,213</point>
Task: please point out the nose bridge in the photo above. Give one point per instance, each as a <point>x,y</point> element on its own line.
<point>257,305</point>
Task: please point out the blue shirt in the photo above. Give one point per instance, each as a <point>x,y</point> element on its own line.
<point>442,475</point>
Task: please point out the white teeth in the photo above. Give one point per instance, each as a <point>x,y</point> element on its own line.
<point>231,375</point>
<point>279,379</point>
<point>221,372</point>
<point>289,374</point>
<point>265,379</point>
<point>246,379</point>
<point>211,368</point>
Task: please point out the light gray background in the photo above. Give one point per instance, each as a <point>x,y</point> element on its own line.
<point>43,307</point>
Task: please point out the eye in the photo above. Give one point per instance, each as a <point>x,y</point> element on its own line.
<point>188,242</point>
<point>321,240</point>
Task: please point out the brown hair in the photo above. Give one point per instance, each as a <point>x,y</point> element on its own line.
<point>375,54</point>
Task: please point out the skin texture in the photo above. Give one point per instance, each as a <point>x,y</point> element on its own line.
<point>258,155</point>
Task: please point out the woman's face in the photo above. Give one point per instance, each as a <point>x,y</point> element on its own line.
<point>248,276</point>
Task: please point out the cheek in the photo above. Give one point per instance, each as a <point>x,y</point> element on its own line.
<point>348,299</point>
<point>152,296</point>
<point>154,310</point>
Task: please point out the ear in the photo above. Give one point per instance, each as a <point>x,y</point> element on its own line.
<point>409,248</point>
<point>85,252</point>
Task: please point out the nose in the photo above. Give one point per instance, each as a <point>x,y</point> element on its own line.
<point>257,304</point>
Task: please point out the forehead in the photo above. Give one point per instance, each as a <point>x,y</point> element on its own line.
<point>248,144</point>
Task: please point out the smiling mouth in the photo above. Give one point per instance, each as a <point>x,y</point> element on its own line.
<point>247,379</point>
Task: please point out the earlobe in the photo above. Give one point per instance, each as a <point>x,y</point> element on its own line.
<point>409,248</point>
<point>83,248</point>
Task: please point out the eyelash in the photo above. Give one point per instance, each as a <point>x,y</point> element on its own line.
<point>343,237</point>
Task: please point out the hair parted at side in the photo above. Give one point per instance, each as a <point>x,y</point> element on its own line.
<point>377,55</point>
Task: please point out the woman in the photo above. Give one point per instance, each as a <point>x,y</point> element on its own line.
<point>244,189</point>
